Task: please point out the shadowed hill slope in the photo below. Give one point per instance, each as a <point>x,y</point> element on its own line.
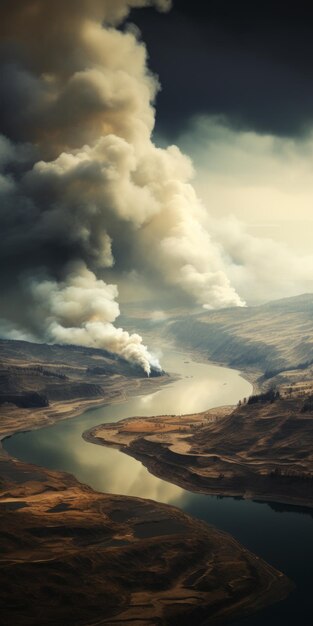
<point>33,375</point>
<point>40,382</point>
<point>273,337</point>
<point>72,556</point>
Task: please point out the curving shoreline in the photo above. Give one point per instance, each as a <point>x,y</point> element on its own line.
<point>71,553</point>
<point>185,570</point>
<point>189,450</point>
<point>15,420</point>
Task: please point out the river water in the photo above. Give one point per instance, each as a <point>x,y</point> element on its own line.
<point>282,535</point>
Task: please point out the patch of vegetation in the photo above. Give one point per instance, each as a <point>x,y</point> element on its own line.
<point>275,372</point>
<point>26,400</point>
<point>307,405</point>
<point>264,398</point>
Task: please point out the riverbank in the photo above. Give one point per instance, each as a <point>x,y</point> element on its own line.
<point>67,548</point>
<point>66,555</point>
<point>41,384</point>
<point>256,451</point>
<point>15,419</point>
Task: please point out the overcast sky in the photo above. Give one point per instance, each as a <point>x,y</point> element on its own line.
<point>246,66</point>
<point>249,61</point>
<point>150,154</point>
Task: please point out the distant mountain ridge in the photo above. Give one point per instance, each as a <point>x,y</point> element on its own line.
<point>271,337</point>
<point>292,302</point>
<point>56,353</point>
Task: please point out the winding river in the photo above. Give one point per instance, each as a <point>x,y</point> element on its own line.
<point>282,535</point>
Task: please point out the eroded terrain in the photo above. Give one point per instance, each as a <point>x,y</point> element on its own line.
<point>261,449</point>
<point>70,555</point>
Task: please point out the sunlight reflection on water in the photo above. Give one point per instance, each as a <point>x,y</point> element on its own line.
<point>200,386</point>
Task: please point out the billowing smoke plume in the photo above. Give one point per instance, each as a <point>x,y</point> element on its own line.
<point>82,185</point>
<point>81,310</point>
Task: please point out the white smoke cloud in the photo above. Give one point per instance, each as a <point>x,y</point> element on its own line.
<point>262,268</point>
<point>12,331</point>
<point>254,184</point>
<point>83,184</point>
<point>81,311</point>
<point>106,184</point>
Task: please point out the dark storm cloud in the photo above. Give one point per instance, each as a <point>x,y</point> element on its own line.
<point>248,61</point>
